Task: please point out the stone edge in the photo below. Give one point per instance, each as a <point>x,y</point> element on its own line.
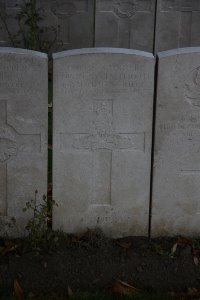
<point>10,50</point>
<point>101,50</point>
<point>179,51</point>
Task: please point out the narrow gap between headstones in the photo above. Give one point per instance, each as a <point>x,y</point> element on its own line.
<point>94,23</point>
<point>50,134</point>
<point>152,148</point>
<point>155,26</point>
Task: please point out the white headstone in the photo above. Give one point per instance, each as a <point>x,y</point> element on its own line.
<point>125,24</point>
<point>103,102</point>
<point>176,188</point>
<point>177,24</point>
<point>23,134</point>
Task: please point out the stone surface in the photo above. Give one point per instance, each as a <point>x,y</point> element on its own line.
<point>125,24</point>
<point>23,134</point>
<point>72,20</point>
<point>176,188</point>
<point>103,102</point>
<point>178,23</point>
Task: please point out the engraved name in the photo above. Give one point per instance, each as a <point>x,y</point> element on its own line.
<point>122,77</point>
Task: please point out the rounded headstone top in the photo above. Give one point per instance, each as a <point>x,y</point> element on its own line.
<point>179,51</point>
<point>10,50</point>
<point>101,50</point>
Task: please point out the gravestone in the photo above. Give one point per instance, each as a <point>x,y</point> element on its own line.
<point>8,12</point>
<point>23,134</point>
<point>75,20</point>
<point>103,102</point>
<point>65,24</point>
<point>178,23</point>
<point>176,184</point>
<point>125,24</point>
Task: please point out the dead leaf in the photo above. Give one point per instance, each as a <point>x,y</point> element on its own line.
<point>74,238</point>
<point>30,295</point>
<point>173,250</point>
<point>18,292</point>
<point>191,292</point>
<point>44,263</point>
<point>8,247</point>
<point>125,245</point>
<point>70,292</point>
<point>122,288</point>
<point>196,260</point>
<point>4,249</point>
<point>181,240</point>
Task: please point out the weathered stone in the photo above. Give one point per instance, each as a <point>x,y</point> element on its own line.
<point>125,24</point>
<point>178,23</point>
<point>103,102</point>
<point>176,184</point>
<point>23,134</point>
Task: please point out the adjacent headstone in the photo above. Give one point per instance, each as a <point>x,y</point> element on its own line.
<point>176,184</point>
<point>64,24</point>
<point>8,21</point>
<point>125,24</point>
<point>178,23</point>
<point>75,21</point>
<point>23,134</point>
<point>103,102</point>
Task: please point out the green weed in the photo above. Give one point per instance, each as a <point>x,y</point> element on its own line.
<point>40,236</point>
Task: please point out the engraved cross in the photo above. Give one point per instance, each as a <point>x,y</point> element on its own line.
<point>186,9</point>
<point>102,142</point>
<point>125,11</point>
<point>11,142</point>
<point>65,11</point>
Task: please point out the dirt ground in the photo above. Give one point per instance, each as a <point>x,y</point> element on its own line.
<point>92,263</point>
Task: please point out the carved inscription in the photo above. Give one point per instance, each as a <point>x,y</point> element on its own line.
<point>11,143</point>
<point>192,87</point>
<point>102,142</point>
<point>13,77</point>
<point>118,77</point>
<point>8,141</point>
<point>104,136</point>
